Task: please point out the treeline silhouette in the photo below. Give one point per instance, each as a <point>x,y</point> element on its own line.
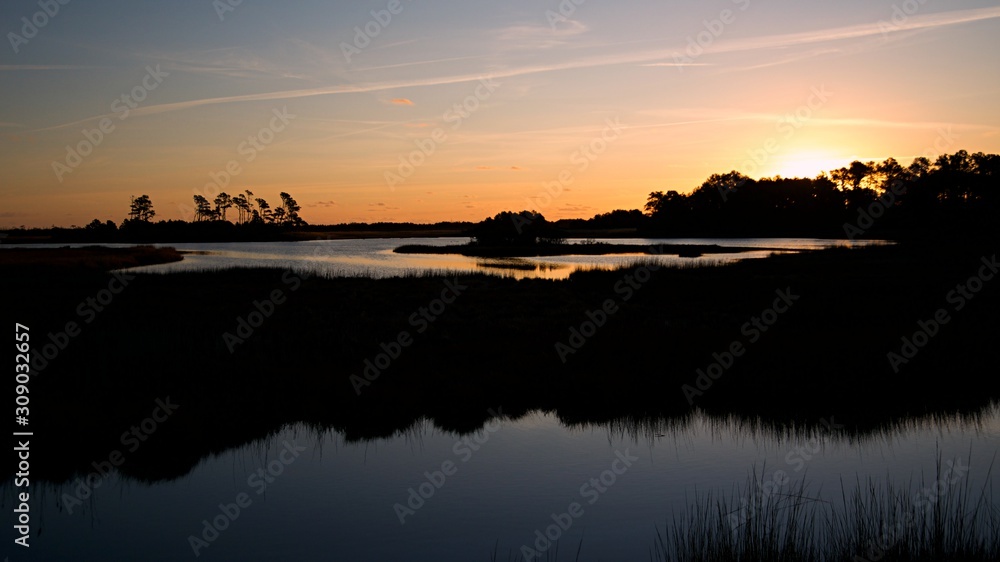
<point>255,220</point>
<point>953,193</point>
<point>862,199</point>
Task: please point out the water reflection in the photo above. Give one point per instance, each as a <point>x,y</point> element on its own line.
<point>375,258</point>
<point>336,500</point>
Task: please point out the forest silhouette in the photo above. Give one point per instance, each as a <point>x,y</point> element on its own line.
<point>861,200</point>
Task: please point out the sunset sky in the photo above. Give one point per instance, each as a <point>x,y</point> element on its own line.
<point>603,102</point>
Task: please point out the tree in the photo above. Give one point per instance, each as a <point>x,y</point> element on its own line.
<point>265,210</point>
<point>890,172</point>
<point>223,202</point>
<point>291,208</point>
<point>242,207</point>
<point>526,228</point>
<point>202,209</point>
<point>141,209</point>
<point>251,212</point>
<point>920,167</point>
<point>842,176</point>
<point>668,210</point>
<point>96,228</point>
<point>619,218</point>
<point>278,216</point>
<point>858,171</point>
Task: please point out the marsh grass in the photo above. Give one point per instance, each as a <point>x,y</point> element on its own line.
<point>59,261</point>
<point>944,519</point>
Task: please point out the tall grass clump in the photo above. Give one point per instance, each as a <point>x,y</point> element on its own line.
<point>945,519</point>
<point>753,523</point>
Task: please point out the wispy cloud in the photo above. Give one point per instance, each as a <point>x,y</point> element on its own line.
<point>884,124</point>
<point>235,62</point>
<point>359,131</point>
<point>229,72</point>
<point>928,21</point>
<point>400,101</point>
<point>537,36</point>
<point>790,59</point>
<point>398,43</point>
<point>709,115</point>
<point>677,64</point>
<point>417,63</point>
<point>572,208</point>
<point>741,45</point>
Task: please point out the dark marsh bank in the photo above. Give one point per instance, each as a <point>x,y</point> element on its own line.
<point>36,262</point>
<point>371,357</point>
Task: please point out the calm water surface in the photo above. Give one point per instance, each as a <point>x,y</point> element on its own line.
<point>336,500</point>
<point>374,257</point>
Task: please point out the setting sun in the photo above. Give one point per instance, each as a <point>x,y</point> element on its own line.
<point>807,164</point>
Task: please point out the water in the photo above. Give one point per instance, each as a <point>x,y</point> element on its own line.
<point>329,498</point>
<point>335,500</point>
<point>375,258</point>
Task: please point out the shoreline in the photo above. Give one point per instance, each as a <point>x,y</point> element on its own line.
<point>93,258</point>
<point>595,249</point>
<point>521,345</point>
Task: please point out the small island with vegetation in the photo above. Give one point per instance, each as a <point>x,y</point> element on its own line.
<point>528,234</point>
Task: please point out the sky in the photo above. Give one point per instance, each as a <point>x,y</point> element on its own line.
<point>435,110</point>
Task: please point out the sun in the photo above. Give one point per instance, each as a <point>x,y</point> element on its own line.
<point>806,164</point>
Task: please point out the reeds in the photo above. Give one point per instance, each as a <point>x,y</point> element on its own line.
<point>947,519</point>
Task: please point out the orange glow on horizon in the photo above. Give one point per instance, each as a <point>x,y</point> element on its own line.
<point>806,164</point>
